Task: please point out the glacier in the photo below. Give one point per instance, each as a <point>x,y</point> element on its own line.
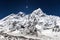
<point>35,26</point>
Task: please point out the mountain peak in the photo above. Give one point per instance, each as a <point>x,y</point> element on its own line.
<point>21,14</point>
<point>39,9</point>
<point>38,12</point>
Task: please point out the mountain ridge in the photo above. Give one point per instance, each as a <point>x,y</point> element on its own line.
<point>35,24</point>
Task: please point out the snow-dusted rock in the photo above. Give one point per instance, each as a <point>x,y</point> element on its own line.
<point>34,26</point>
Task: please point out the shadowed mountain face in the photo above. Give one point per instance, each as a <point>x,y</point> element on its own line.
<point>34,26</point>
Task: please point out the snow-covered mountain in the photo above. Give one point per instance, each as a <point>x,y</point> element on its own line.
<point>37,25</point>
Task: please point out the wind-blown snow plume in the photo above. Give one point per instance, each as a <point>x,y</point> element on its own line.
<point>34,26</point>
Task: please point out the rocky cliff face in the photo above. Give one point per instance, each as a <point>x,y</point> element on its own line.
<point>34,26</point>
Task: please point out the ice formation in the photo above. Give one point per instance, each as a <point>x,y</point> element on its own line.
<point>34,26</point>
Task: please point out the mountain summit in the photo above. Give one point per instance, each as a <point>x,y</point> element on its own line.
<point>34,26</point>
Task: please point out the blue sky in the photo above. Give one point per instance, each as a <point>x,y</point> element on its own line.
<point>7,7</point>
